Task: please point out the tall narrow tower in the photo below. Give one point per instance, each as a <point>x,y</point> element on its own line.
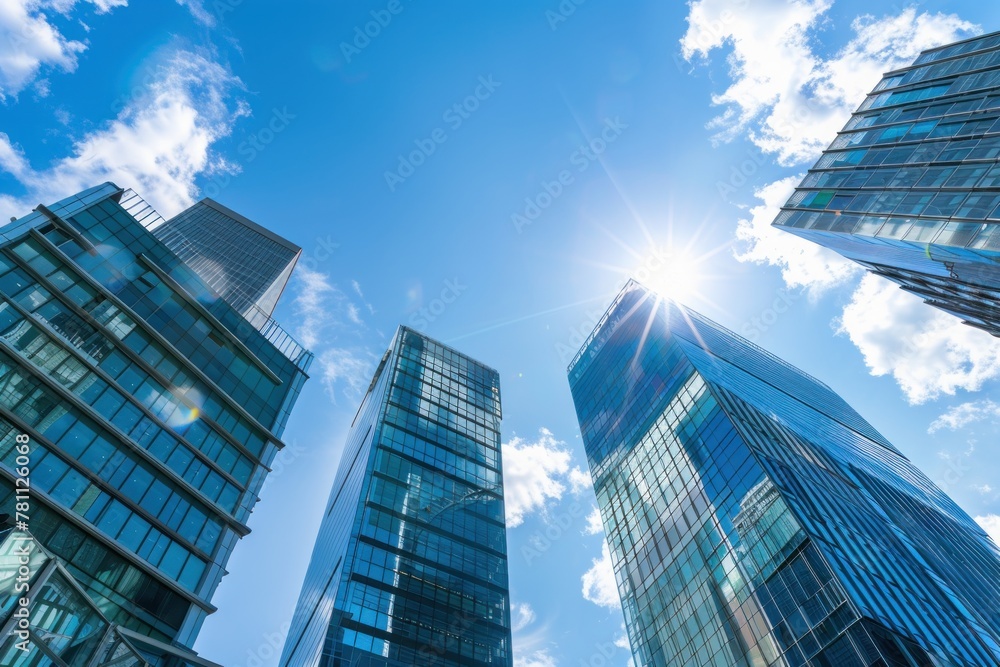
<point>410,566</point>
<point>754,518</point>
<point>248,265</point>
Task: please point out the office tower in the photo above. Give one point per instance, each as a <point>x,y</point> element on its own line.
<point>246,264</point>
<point>410,566</point>
<point>910,189</point>
<point>153,409</point>
<point>754,518</point>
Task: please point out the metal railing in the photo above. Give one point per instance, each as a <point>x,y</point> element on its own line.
<point>140,209</point>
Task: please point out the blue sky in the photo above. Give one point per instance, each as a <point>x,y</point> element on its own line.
<point>491,173</point>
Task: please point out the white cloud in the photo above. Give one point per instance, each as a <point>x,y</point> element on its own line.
<point>350,368</point>
<point>802,263</point>
<point>158,144</point>
<point>198,11</point>
<point>353,314</point>
<point>599,584</point>
<point>790,101</point>
<point>770,63</point>
<point>29,43</point>
<point>522,615</point>
<point>927,351</point>
<point>540,658</point>
<point>594,524</point>
<point>356,286</point>
<point>991,524</point>
<point>312,304</point>
<point>579,480</point>
<point>960,416</point>
<point>534,473</point>
<point>621,641</point>
<point>323,312</point>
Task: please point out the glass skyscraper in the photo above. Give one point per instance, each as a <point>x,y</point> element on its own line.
<point>754,518</point>
<point>152,407</point>
<point>410,566</point>
<point>910,188</point>
<point>248,265</point>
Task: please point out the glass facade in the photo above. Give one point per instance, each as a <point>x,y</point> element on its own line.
<point>61,626</point>
<point>245,263</point>
<point>153,409</point>
<point>910,188</point>
<point>410,566</point>
<point>754,518</point>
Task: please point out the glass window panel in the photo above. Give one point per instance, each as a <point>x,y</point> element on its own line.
<point>992,178</point>
<point>959,233</point>
<point>895,228</point>
<point>978,205</point>
<point>173,560</point>
<point>869,225</point>
<point>923,231</point>
<point>966,176</point>
<point>945,204</point>
<point>113,518</point>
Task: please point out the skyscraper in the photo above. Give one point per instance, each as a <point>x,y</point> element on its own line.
<point>248,265</point>
<point>754,518</point>
<point>152,408</point>
<point>910,189</point>
<point>410,566</point>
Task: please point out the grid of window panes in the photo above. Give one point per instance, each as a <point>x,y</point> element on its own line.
<point>152,407</point>
<point>913,180</point>
<point>877,551</point>
<point>730,490</point>
<point>62,619</point>
<point>245,266</point>
<point>314,613</point>
<point>422,577</point>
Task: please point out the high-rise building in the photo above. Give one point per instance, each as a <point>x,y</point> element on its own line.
<point>248,265</point>
<point>410,566</point>
<point>152,407</point>
<point>754,518</point>
<point>910,189</point>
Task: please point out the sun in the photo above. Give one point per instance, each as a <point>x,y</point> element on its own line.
<point>671,273</point>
